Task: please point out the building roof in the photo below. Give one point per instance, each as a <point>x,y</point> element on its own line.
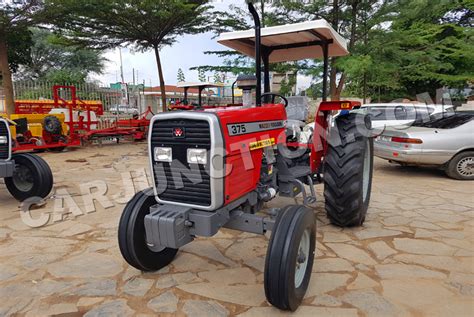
<point>289,42</point>
<point>190,84</point>
<point>172,89</point>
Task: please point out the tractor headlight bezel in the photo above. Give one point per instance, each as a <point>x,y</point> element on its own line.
<point>163,154</point>
<point>196,156</point>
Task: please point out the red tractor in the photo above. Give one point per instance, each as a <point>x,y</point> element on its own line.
<point>185,104</point>
<point>216,168</point>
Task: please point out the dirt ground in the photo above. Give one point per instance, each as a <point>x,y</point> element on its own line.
<point>413,256</point>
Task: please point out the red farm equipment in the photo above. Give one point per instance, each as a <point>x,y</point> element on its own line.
<point>216,168</point>
<point>60,123</point>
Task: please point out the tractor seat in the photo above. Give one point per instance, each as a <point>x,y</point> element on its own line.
<point>296,172</point>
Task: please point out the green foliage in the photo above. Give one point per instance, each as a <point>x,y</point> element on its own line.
<point>180,76</point>
<point>202,75</point>
<point>218,78</point>
<point>287,85</point>
<point>427,46</point>
<point>143,24</point>
<point>19,46</point>
<point>54,59</point>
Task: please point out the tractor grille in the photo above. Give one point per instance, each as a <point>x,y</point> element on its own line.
<point>4,148</point>
<point>185,183</point>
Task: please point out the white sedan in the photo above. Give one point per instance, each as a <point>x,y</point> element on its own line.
<point>446,141</point>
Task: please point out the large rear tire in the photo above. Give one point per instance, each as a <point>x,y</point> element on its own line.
<point>132,237</point>
<point>348,172</point>
<point>32,177</point>
<point>290,257</point>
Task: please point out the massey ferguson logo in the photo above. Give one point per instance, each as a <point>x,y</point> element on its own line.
<point>178,132</point>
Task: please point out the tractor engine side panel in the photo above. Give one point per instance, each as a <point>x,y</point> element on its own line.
<point>246,133</point>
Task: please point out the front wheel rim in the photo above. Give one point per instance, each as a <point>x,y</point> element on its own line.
<point>23,178</point>
<point>465,167</point>
<point>302,258</point>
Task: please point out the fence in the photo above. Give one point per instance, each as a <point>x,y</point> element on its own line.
<point>111,98</point>
<point>39,90</point>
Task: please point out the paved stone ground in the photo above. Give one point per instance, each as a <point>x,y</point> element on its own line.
<point>413,256</point>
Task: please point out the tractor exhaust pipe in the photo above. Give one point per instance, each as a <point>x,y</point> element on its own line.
<point>258,58</point>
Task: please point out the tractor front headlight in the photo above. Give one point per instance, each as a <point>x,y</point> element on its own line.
<point>163,154</point>
<point>197,156</point>
<point>3,139</point>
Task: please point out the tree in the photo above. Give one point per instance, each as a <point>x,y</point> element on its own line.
<point>180,76</point>
<point>426,45</point>
<point>148,24</point>
<point>15,18</point>
<point>218,78</point>
<point>54,59</point>
<point>201,75</point>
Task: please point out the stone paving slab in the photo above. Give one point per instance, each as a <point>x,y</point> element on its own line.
<point>414,256</point>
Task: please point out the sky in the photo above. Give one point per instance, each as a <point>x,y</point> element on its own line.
<point>187,52</point>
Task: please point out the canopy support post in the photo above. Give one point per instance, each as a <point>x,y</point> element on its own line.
<point>258,58</point>
<point>325,47</point>
<point>185,95</point>
<point>233,94</point>
<point>266,70</point>
<point>200,97</point>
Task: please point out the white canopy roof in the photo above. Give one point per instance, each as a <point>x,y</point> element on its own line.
<point>302,36</point>
<point>188,84</point>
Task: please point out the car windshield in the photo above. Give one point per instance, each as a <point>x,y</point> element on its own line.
<point>445,120</point>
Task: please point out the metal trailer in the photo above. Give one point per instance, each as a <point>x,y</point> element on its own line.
<point>85,128</point>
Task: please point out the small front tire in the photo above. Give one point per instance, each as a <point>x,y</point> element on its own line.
<point>32,177</point>
<point>132,236</point>
<point>290,257</point>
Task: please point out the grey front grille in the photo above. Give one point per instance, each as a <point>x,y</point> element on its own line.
<point>194,187</point>
<point>4,148</point>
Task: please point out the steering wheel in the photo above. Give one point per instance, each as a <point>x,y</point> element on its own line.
<point>273,97</point>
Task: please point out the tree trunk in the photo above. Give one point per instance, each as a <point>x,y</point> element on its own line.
<point>336,88</point>
<point>332,80</point>
<point>162,80</point>
<point>6,77</point>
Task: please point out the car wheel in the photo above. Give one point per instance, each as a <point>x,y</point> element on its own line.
<point>461,166</point>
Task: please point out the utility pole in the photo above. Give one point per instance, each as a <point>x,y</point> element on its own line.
<point>121,66</point>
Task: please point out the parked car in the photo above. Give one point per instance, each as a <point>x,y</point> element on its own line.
<point>401,115</point>
<point>446,141</point>
<point>117,109</point>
